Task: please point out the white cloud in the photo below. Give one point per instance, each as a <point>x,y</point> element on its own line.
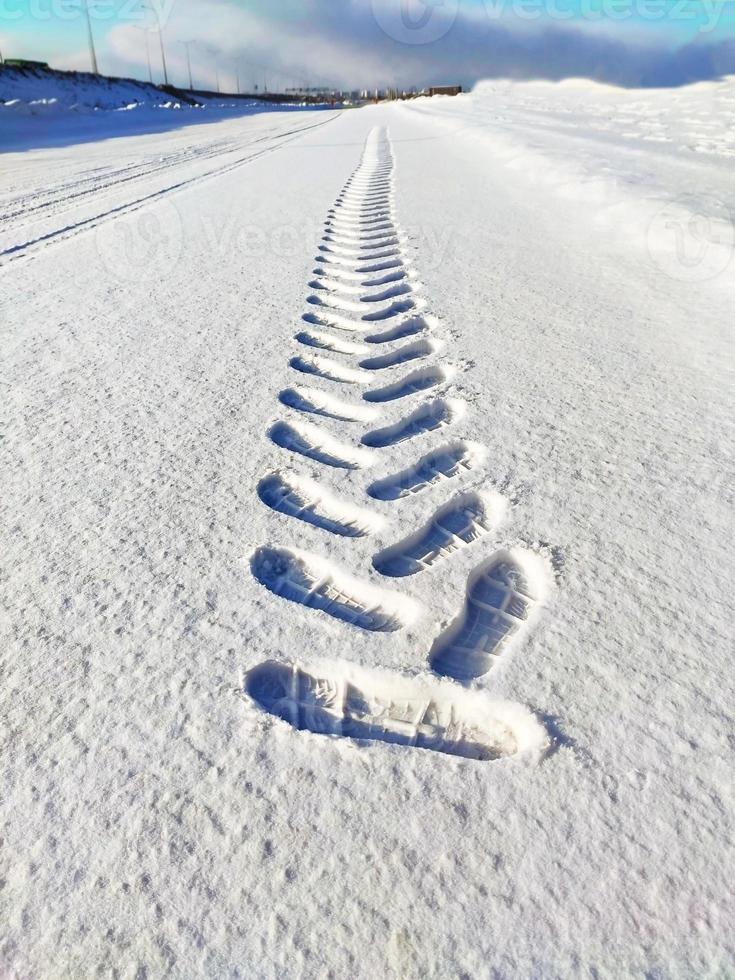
<point>362,43</point>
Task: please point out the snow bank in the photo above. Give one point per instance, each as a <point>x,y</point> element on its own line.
<point>45,107</point>
<point>585,141</point>
<point>35,90</point>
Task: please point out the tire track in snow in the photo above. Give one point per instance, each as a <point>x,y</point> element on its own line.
<point>22,249</point>
<point>366,312</point>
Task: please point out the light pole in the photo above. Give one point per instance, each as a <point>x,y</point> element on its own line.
<point>147,51</point>
<point>188,62</point>
<point>213,52</point>
<point>163,54</point>
<point>160,40</point>
<point>90,38</point>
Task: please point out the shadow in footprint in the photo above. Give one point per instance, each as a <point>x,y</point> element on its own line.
<point>441,464</point>
<point>309,441</point>
<point>328,370</point>
<point>375,707</point>
<point>426,418</point>
<point>306,501</point>
<point>402,289</point>
<point>413,383</point>
<point>500,596</point>
<point>315,402</point>
<point>406,328</point>
<point>395,309</point>
<point>326,341</point>
<point>409,352</point>
<point>313,582</point>
<point>455,525</point>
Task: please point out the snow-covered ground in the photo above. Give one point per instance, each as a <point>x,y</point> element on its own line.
<point>43,108</point>
<point>34,90</point>
<point>367,566</point>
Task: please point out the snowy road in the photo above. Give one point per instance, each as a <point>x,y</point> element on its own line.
<point>301,407</point>
<point>66,192</point>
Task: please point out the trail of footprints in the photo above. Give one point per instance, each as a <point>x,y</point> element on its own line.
<point>367,378</point>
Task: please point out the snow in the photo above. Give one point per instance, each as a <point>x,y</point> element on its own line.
<point>43,107</point>
<point>226,753</point>
<point>630,154</point>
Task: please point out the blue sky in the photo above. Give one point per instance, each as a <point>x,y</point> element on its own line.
<point>381,42</point>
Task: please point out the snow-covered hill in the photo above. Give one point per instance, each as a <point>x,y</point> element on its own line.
<point>46,107</point>
<point>37,90</point>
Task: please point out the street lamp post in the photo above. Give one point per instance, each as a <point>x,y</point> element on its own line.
<point>90,38</point>
<point>163,53</point>
<point>160,40</point>
<point>147,51</point>
<point>188,62</point>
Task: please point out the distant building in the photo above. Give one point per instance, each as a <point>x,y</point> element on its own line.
<point>445,90</point>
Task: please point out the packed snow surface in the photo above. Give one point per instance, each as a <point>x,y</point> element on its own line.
<point>43,107</point>
<point>367,542</point>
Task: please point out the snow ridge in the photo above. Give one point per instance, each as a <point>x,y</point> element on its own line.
<point>364,279</point>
